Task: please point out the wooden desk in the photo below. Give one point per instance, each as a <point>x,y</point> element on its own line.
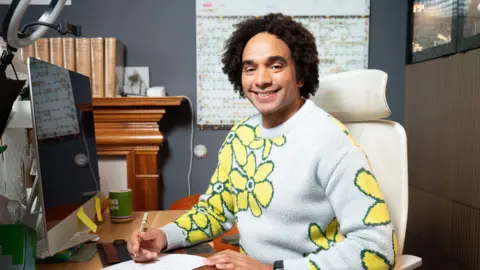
<point>109,232</point>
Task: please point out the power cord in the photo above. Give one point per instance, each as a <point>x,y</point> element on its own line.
<point>63,28</point>
<point>191,145</point>
<point>97,185</point>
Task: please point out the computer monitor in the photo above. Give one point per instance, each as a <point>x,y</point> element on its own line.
<point>67,178</point>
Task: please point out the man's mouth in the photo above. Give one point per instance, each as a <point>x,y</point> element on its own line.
<point>265,93</point>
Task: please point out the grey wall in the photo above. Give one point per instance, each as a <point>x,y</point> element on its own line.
<point>160,34</point>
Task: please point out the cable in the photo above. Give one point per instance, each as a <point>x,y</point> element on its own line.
<point>63,28</point>
<point>97,185</point>
<point>14,71</point>
<point>49,25</point>
<point>191,146</point>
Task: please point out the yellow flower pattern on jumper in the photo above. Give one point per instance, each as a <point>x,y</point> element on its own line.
<point>200,223</point>
<point>373,260</point>
<point>327,238</point>
<point>377,214</point>
<point>219,191</point>
<point>237,184</point>
<point>313,266</point>
<point>253,188</point>
<point>395,249</point>
<point>242,251</point>
<point>259,142</point>
<point>237,141</point>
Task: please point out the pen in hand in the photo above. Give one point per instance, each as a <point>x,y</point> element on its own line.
<point>142,228</point>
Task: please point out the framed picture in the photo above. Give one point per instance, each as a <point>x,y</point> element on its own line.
<point>468,24</point>
<point>136,82</point>
<point>433,29</point>
<point>440,28</point>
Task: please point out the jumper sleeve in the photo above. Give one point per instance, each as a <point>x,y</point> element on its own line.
<point>211,216</point>
<point>361,236</point>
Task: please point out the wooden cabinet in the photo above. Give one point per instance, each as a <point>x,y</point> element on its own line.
<point>129,127</point>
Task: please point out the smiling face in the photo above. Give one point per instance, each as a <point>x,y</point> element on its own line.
<point>269,79</point>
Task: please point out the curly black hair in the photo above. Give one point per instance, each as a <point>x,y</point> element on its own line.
<point>298,39</point>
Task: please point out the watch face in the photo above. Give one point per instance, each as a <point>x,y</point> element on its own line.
<point>278,265</point>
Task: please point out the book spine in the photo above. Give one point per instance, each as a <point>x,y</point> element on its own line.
<point>56,51</point>
<point>42,50</point>
<point>27,51</point>
<point>114,66</point>
<point>83,58</point>
<point>98,66</point>
<point>69,53</point>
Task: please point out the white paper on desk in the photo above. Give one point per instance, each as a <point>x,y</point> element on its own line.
<point>164,262</point>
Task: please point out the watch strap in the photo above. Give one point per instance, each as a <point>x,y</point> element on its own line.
<point>278,265</point>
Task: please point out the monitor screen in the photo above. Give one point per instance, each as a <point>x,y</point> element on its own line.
<point>64,137</point>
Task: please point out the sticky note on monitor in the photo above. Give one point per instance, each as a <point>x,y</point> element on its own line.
<point>86,220</point>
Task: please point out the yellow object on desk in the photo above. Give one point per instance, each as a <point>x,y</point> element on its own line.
<point>86,220</point>
<point>98,209</point>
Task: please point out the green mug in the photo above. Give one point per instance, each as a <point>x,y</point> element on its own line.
<point>120,204</point>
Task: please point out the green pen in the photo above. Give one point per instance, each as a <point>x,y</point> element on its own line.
<point>3,148</point>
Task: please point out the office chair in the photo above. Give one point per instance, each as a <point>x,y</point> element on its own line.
<point>358,100</point>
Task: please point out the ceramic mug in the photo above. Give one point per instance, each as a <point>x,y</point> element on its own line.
<point>120,203</point>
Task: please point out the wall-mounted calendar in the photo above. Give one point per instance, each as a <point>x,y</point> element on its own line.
<point>341,29</point>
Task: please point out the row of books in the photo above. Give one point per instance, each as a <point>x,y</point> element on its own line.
<point>102,59</point>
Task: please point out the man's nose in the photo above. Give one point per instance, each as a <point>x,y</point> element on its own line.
<point>263,78</point>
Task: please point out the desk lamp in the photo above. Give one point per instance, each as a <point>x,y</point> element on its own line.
<point>15,39</point>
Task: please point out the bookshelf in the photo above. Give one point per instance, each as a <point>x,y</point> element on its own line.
<point>102,59</point>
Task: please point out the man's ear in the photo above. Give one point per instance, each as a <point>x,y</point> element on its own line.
<point>300,83</point>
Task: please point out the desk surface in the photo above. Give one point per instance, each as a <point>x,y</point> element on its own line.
<point>109,232</point>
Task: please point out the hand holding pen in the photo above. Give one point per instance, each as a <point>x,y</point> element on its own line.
<point>142,228</point>
<point>145,245</point>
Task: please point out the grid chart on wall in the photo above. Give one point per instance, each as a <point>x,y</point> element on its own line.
<point>340,27</point>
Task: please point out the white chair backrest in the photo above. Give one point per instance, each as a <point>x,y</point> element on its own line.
<point>358,99</point>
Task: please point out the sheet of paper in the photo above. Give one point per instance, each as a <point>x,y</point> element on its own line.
<point>165,262</point>
<point>54,104</point>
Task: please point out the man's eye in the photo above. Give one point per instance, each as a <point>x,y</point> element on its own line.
<point>249,69</point>
<point>276,66</point>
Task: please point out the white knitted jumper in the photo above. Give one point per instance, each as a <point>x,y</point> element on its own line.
<point>302,192</point>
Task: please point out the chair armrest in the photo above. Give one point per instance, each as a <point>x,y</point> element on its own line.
<point>408,262</point>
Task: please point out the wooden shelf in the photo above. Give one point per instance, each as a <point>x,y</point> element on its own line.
<point>129,127</point>
<point>137,101</point>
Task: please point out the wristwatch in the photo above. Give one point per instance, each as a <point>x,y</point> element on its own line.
<point>278,265</point>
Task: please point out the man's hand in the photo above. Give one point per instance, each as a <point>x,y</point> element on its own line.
<point>229,259</point>
<point>151,243</point>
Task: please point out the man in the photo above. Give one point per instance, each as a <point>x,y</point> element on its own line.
<point>299,189</point>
